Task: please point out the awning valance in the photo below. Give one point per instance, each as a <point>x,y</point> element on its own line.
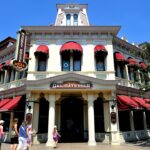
<point>71,46</point>
<point>119,57</point>
<point>4,101</point>
<point>6,64</point>
<point>126,102</point>
<point>42,49</point>
<point>143,65</point>
<point>12,103</point>
<point>141,102</point>
<point>100,48</point>
<point>132,61</point>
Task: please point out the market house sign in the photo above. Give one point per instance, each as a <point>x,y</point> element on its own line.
<point>70,84</point>
<point>19,64</point>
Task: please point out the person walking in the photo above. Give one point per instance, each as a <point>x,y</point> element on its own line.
<point>56,136</point>
<point>1,132</point>
<point>23,136</point>
<point>14,134</point>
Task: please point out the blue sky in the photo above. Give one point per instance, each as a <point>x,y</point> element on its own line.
<point>132,15</point>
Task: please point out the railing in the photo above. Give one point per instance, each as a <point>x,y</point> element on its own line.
<point>127,83</point>
<point>13,84</point>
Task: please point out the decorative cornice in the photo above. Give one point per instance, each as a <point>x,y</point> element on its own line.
<point>72,29</point>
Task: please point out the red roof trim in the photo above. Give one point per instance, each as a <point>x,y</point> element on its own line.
<point>71,46</point>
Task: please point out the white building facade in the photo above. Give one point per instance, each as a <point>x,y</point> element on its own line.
<point>80,78</point>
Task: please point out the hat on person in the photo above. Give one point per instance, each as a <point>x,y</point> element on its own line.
<point>2,121</point>
<point>55,126</point>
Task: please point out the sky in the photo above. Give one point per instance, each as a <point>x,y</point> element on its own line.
<point>132,15</point>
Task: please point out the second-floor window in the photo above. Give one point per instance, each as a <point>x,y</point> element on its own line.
<point>68,19</point>
<point>75,16</point>
<point>71,61</point>
<point>41,63</point>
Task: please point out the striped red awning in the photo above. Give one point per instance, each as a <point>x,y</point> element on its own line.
<point>143,65</point>
<point>125,102</point>
<point>42,49</point>
<point>71,46</point>
<point>141,102</point>
<point>119,57</point>
<point>100,48</point>
<point>12,103</point>
<point>3,102</point>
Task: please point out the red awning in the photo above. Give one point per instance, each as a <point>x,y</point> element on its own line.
<point>71,46</point>
<point>11,104</point>
<point>126,102</point>
<point>119,57</point>
<point>147,101</point>
<point>132,61</point>
<point>143,65</point>
<point>141,102</point>
<point>42,49</point>
<point>100,48</point>
<point>3,102</point>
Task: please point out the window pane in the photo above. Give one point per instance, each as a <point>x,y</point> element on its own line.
<point>66,65</point>
<point>68,20</point>
<point>42,65</point>
<point>77,65</point>
<point>100,66</point>
<point>75,19</point>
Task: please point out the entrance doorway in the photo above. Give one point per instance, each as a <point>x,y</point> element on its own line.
<point>72,120</point>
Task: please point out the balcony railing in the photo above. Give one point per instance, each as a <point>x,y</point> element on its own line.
<point>128,83</point>
<point>13,84</point>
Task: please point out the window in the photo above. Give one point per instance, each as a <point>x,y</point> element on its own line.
<point>42,60</point>
<point>65,61</point>
<point>75,20</point>
<point>68,19</point>
<point>120,68</point>
<point>71,61</point>
<point>100,62</point>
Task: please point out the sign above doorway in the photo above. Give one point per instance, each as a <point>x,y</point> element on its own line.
<point>71,84</point>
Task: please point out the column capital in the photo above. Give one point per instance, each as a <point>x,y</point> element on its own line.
<point>51,97</point>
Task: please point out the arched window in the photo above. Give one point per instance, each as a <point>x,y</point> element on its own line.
<point>120,62</point>
<point>75,20</point>
<point>42,54</point>
<point>100,55</point>
<point>41,64</point>
<point>68,19</point>
<point>71,53</point>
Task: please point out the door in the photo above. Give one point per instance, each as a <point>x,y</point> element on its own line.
<point>72,120</point>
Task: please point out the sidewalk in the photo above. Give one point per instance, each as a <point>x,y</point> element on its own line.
<point>143,145</point>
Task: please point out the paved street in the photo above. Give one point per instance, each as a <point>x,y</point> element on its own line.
<point>143,145</point>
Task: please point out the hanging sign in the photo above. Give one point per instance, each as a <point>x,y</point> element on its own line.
<point>113,117</point>
<point>19,64</point>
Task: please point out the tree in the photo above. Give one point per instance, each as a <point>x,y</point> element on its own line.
<point>145,73</point>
